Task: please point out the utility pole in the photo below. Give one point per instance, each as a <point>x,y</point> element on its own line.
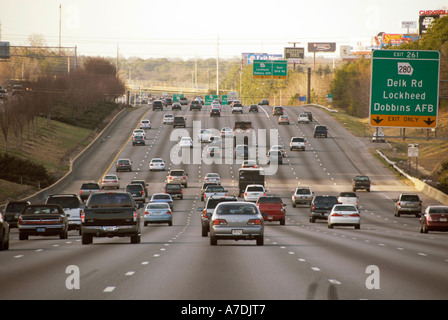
<point>217,67</point>
<point>60,24</point>
<point>294,44</point>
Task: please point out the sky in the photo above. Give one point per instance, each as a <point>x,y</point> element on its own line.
<point>190,29</point>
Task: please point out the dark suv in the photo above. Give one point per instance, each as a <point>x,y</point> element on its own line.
<point>137,192</point>
<point>195,105</point>
<point>321,206</point>
<point>320,131</point>
<point>175,190</point>
<point>179,122</point>
<point>13,210</point>
<point>157,105</point>
<point>278,111</point>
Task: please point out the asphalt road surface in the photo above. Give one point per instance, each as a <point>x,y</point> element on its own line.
<point>386,259</point>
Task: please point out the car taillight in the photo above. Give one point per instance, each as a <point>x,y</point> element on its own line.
<point>253,222</point>
<point>146,213</point>
<point>168,212</point>
<point>219,222</point>
<point>245,194</point>
<point>204,213</point>
<point>83,216</point>
<point>335,214</point>
<point>354,215</point>
<point>135,216</point>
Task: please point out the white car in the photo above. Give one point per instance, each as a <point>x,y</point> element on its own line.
<point>237,108</point>
<point>145,124</point>
<point>226,132</point>
<point>344,215</point>
<point>139,132</point>
<point>297,143</point>
<point>212,177</point>
<point>303,118</point>
<point>216,104</point>
<point>204,135</point>
<point>168,118</point>
<point>157,164</point>
<point>186,142</point>
<point>280,148</point>
<point>215,141</point>
<point>253,192</point>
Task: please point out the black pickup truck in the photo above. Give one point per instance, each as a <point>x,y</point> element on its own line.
<point>179,122</point>
<point>361,182</point>
<point>110,214</point>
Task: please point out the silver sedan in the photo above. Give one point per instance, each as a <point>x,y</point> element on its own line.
<point>236,220</point>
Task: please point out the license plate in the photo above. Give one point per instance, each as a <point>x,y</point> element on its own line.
<point>237,232</point>
<point>40,230</point>
<point>443,219</point>
<point>109,228</point>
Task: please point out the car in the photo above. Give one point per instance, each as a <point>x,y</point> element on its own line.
<point>253,192</point>
<point>4,232</point>
<point>320,131</point>
<point>215,104</point>
<point>72,206</point>
<point>204,135</point>
<point>123,165</point>
<point>249,164</point>
<point>138,139</point>
<point>237,107</point>
<point>212,177</point>
<point>272,208</point>
<point>213,152</point>
<point>278,147</point>
<point>408,204</point>
<point>179,122</point>
<point>297,143</point>
<point>284,119</point>
<point>145,124</point>
<point>204,187</point>
<point>183,101</point>
<point>344,215</point>
<point>142,183</point>
<point>349,198</point>
<point>215,141</point>
<point>13,210</point>
<point>241,152</point>
<point>310,115</point>
<point>226,132</point>
<point>168,118</point>
<point>42,220</point>
<point>139,132</point>
<point>163,198</point>
<point>361,182</point>
<point>168,102</point>
<point>158,213</point>
<point>176,106</point>
<point>237,220</point>
<point>321,207</point>
<point>214,190</point>
<point>302,195</point>
<point>253,108</point>
<point>277,111</point>
<point>157,105</point>
<point>175,190</point>
<point>177,175</point>
<point>264,102</point>
<point>195,104</point>
<point>110,181</point>
<point>215,112</point>
<point>137,192</point>
<point>303,118</point>
<point>207,211</point>
<point>275,156</point>
<point>434,219</point>
<point>157,164</point>
<point>186,142</point>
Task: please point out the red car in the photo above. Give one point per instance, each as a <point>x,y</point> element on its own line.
<point>272,209</point>
<point>434,219</point>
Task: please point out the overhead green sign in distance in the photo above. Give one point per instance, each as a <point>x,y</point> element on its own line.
<point>270,69</point>
<point>404,88</point>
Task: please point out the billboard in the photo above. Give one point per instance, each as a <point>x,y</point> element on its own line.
<point>395,39</point>
<point>294,53</point>
<point>427,17</point>
<point>250,57</point>
<point>321,46</point>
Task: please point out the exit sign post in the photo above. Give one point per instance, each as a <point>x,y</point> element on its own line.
<point>404,88</point>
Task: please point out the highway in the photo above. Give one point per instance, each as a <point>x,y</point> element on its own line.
<point>387,259</point>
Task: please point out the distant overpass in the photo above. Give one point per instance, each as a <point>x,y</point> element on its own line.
<point>169,90</point>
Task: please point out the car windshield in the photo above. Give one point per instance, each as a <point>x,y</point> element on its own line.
<point>65,202</point>
<point>269,200</point>
<point>110,200</point>
<point>303,191</point>
<point>345,208</point>
<point>228,209</point>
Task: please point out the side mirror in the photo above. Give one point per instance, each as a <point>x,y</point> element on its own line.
<point>199,209</point>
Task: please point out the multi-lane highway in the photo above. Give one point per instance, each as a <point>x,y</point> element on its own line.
<point>386,259</point>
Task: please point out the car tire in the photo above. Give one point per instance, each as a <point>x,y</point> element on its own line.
<point>86,239</point>
<point>358,226</point>
<point>204,232</point>
<point>63,235</point>
<point>23,236</point>
<point>260,241</point>
<point>330,226</point>
<point>213,241</point>
<point>136,239</point>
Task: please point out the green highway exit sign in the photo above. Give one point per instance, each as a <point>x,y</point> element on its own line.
<point>404,88</point>
<point>270,69</point>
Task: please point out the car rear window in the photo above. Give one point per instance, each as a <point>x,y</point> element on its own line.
<point>270,200</point>
<point>177,173</point>
<point>236,209</point>
<point>303,191</point>
<point>257,188</point>
<point>90,186</point>
<point>98,200</point>
<point>212,203</point>
<point>65,202</point>
<point>134,187</point>
<point>410,197</point>
<point>326,200</point>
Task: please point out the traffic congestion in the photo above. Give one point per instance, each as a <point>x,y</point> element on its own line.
<point>242,180</point>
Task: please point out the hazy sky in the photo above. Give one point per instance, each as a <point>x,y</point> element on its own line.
<point>191,28</point>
